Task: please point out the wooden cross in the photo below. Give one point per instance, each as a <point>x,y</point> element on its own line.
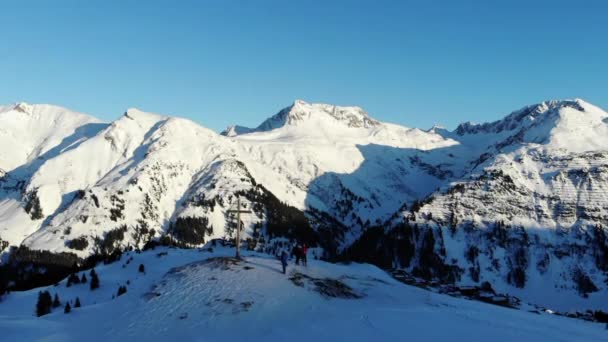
<point>238,212</point>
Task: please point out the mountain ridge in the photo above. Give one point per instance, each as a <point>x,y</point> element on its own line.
<point>333,176</point>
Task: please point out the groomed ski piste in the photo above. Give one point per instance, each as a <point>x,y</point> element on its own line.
<point>207,295</point>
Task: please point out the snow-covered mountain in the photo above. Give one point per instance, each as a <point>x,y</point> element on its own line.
<point>149,170</point>
<point>519,203</point>
<point>529,213</point>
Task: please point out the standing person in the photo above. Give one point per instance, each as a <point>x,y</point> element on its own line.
<point>304,255</point>
<point>297,252</point>
<point>284,257</point>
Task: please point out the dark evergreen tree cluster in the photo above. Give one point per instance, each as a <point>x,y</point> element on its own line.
<point>281,219</point>
<point>599,242</point>
<point>141,268</point>
<point>428,261</point>
<point>108,244</point>
<point>32,206</point>
<point>191,230</point>
<point>600,316</point>
<point>499,234</point>
<point>73,279</point>
<point>142,232</point>
<point>200,201</point>
<point>471,255</point>
<point>396,247</point>
<point>94,279</point>
<point>149,210</point>
<point>517,273</point>
<point>583,283</point>
<point>517,247</point>
<point>44,304</point>
<point>329,232</point>
<point>345,204</point>
<point>26,268</point>
<point>56,301</point>
<point>118,206</point>
<point>79,243</point>
<point>94,198</point>
<point>384,248</point>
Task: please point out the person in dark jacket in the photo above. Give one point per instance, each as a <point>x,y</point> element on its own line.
<point>284,257</point>
<point>304,253</point>
<point>297,252</point>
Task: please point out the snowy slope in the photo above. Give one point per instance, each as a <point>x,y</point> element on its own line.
<point>145,165</point>
<point>28,132</point>
<point>30,135</point>
<point>191,294</point>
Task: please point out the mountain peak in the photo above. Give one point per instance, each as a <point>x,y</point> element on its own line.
<point>22,107</point>
<point>353,116</point>
<point>235,130</point>
<point>139,115</point>
<point>525,116</point>
<point>301,111</point>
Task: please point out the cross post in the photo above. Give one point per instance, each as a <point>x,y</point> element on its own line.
<point>238,212</point>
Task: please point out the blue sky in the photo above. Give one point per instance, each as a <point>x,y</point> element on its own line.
<point>415,63</point>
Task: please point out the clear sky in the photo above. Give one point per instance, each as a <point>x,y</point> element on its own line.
<point>415,63</point>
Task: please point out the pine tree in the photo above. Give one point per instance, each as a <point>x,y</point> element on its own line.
<point>83,279</point>
<point>94,280</point>
<point>56,301</point>
<point>73,279</point>
<point>68,308</point>
<point>142,269</point>
<point>121,290</point>
<point>44,304</point>
<point>33,207</point>
<point>77,303</point>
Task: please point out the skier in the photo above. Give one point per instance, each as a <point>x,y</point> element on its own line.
<point>304,252</point>
<point>284,257</point>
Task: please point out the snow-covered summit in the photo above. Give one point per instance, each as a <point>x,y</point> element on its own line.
<point>29,131</point>
<point>568,125</point>
<point>301,112</point>
<point>137,114</point>
<point>350,116</point>
<point>526,116</point>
